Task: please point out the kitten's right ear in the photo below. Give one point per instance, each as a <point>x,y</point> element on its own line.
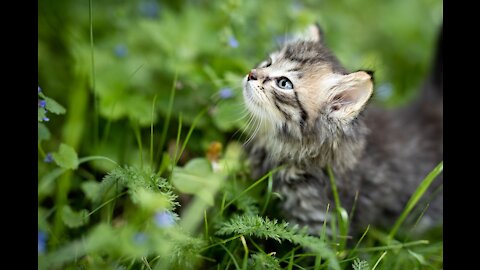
<point>315,32</point>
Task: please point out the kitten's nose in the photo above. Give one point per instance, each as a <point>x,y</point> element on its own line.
<point>252,75</point>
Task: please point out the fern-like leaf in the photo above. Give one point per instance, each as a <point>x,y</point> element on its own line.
<point>261,261</point>
<point>359,264</point>
<point>272,229</point>
<point>136,181</point>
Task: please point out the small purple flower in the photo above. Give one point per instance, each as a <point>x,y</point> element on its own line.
<point>120,50</point>
<point>140,238</point>
<point>226,93</point>
<point>46,119</point>
<point>39,89</point>
<point>42,103</point>
<point>232,42</point>
<point>42,242</point>
<point>164,219</point>
<point>48,158</point>
<point>385,91</point>
<point>149,9</point>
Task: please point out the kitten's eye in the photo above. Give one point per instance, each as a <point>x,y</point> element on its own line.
<point>284,83</point>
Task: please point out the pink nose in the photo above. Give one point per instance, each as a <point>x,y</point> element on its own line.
<point>252,75</point>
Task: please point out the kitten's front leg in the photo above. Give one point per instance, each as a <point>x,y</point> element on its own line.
<point>305,196</point>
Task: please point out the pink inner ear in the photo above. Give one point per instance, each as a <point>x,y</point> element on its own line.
<point>343,98</point>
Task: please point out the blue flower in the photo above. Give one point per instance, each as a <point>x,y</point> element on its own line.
<point>120,50</point>
<point>46,119</point>
<point>39,89</point>
<point>42,242</point>
<point>164,219</point>
<point>42,103</point>
<point>385,91</point>
<point>140,238</point>
<point>48,158</point>
<point>226,93</point>
<point>149,9</point>
<point>232,42</point>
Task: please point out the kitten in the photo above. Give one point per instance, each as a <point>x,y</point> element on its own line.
<point>313,113</point>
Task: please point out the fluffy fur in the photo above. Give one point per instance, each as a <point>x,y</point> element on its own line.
<point>325,121</point>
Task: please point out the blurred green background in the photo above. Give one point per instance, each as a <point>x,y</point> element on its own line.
<point>140,46</point>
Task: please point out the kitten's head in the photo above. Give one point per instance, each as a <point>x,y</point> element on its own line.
<point>303,87</point>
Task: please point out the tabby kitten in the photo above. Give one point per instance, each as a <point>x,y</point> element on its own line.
<point>312,113</point>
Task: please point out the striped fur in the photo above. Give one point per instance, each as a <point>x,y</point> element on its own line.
<point>381,155</point>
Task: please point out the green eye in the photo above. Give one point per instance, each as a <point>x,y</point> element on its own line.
<point>284,83</point>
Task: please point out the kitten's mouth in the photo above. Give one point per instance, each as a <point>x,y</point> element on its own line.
<point>251,101</point>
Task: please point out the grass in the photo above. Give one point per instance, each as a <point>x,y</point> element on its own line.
<point>167,185</point>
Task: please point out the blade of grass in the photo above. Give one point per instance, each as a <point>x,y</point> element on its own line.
<point>245,257</point>
<point>342,219</point>
<point>151,130</point>
<point>290,262</point>
<point>394,246</point>
<point>256,246</point>
<point>231,256</point>
<point>138,136</point>
<point>92,59</point>
<point>379,259</point>
<point>192,127</point>
<point>253,185</point>
<point>416,197</point>
<point>177,143</point>
<point>323,232</point>
<point>269,193</point>
<point>360,240</point>
<point>206,224</point>
<point>220,242</point>
<point>105,203</point>
<point>169,114</point>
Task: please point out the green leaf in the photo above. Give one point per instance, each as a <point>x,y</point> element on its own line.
<point>197,178</point>
<point>152,201</point>
<point>90,188</point>
<point>420,258</point>
<point>231,162</point>
<point>41,114</point>
<point>74,219</point>
<point>66,157</point>
<point>54,107</point>
<point>227,115</point>
<point>43,132</point>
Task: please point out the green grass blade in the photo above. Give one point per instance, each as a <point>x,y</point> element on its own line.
<point>245,256</point>
<point>92,59</point>
<point>342,216</point>
<point>269,193</point>
<point>379,259</point>
<point>169,114</point>
<point>394,246</point>
<point>250,187</point>
<point>151,130</point>
<point>136,130</point>
<point>187,138</point>
<point>416,197</point>
<point>231,256</point>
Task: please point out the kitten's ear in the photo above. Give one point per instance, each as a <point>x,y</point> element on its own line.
<point>351,94</point>
<point>315,32</point>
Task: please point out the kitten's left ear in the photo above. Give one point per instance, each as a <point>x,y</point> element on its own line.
<point>350,95</point>
<point>315,32</point>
